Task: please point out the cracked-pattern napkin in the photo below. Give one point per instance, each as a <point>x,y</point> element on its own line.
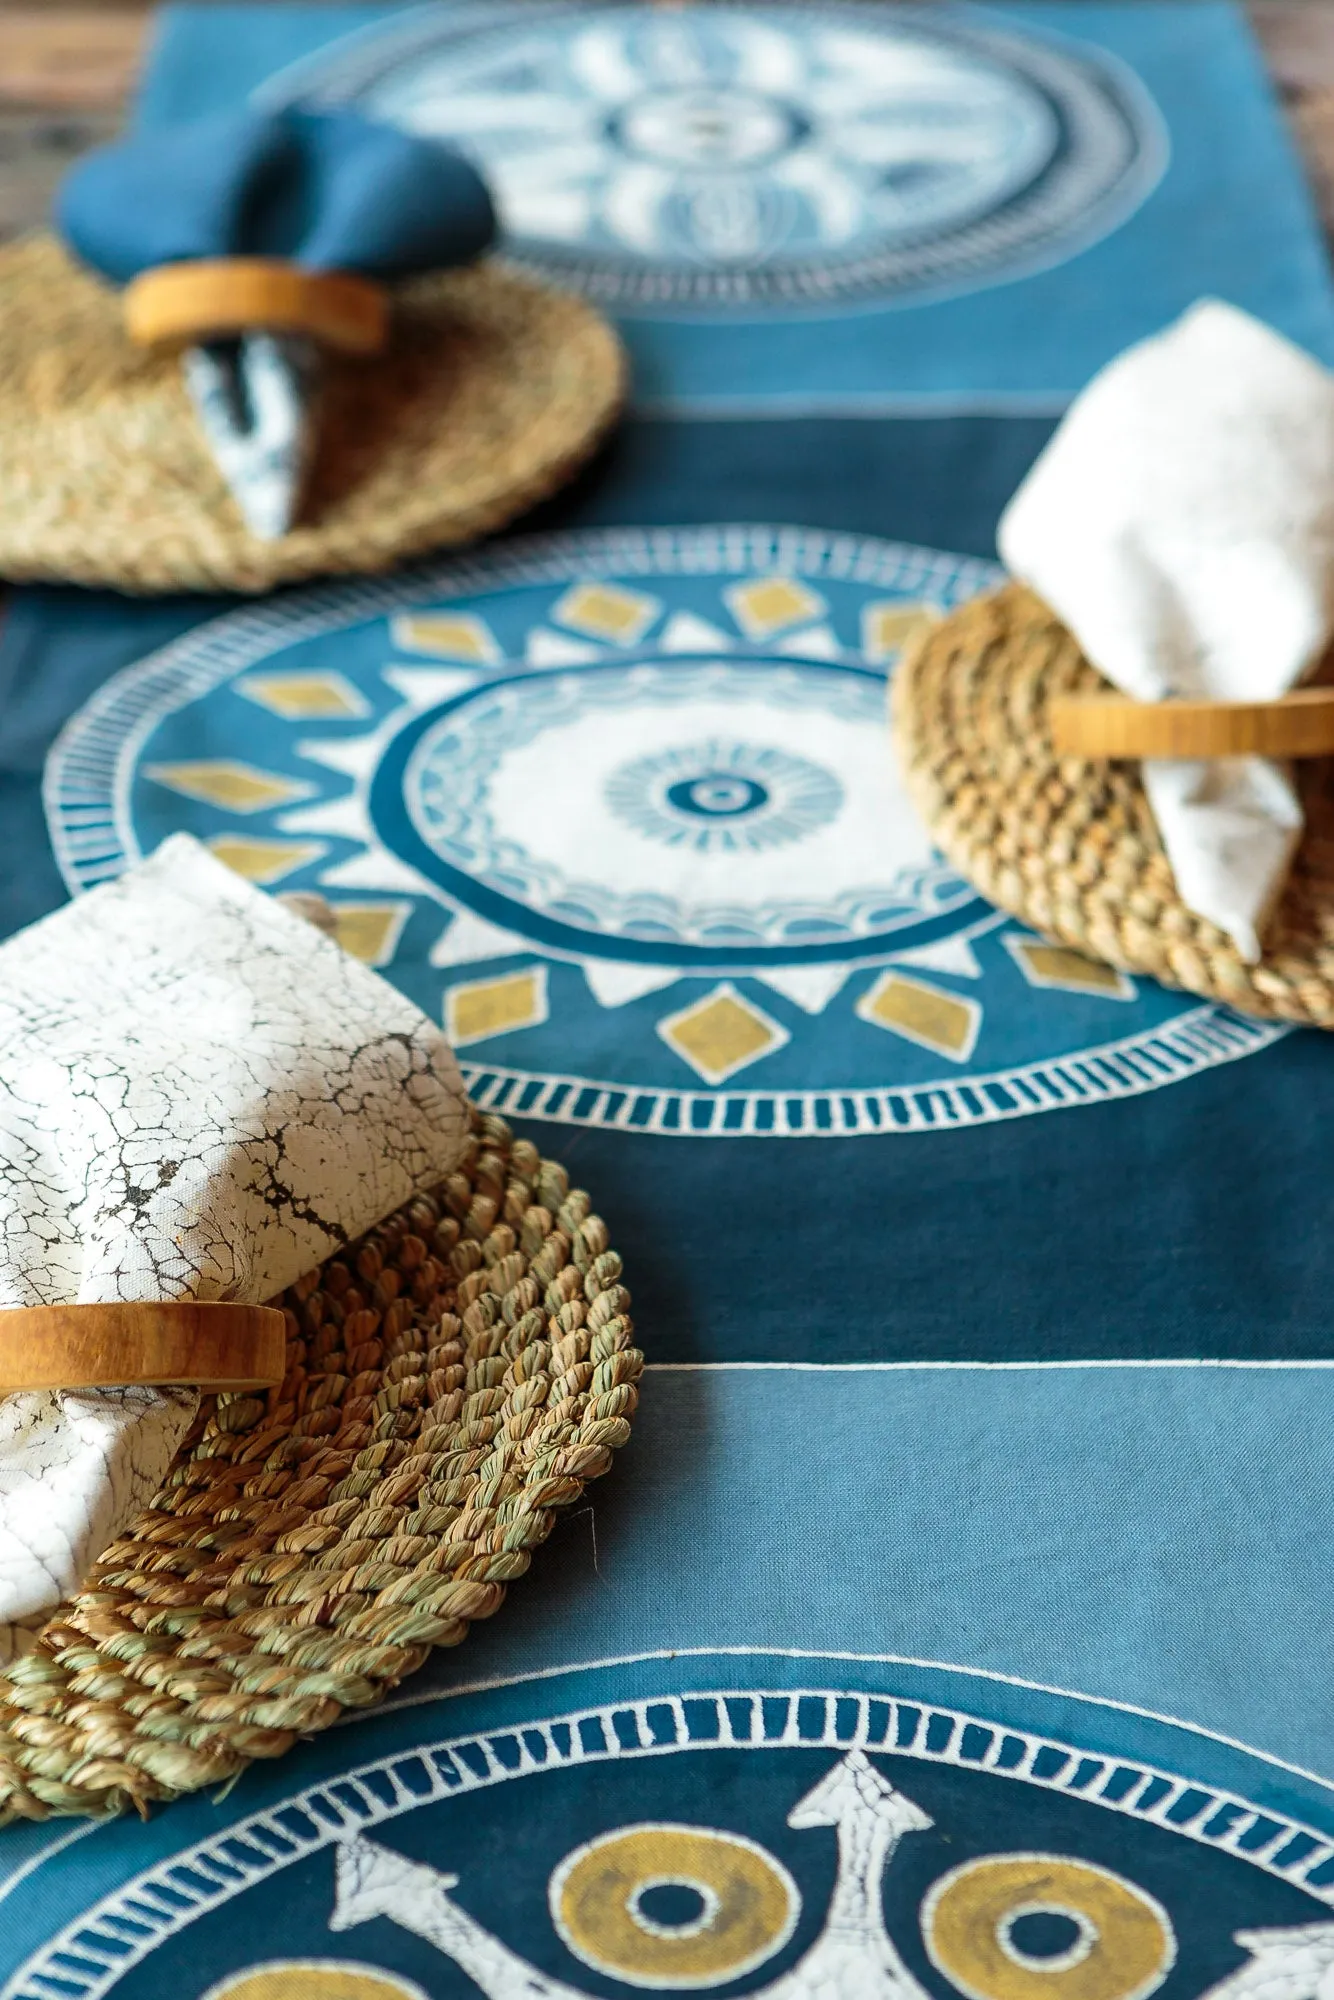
<point>201,1096</point>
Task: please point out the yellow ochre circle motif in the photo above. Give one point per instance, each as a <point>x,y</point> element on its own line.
<point>746,1905</point>
<point>314,1979</point>
<point>1121,1944</point>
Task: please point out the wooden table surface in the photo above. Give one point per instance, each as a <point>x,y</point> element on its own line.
<point>67,72</point>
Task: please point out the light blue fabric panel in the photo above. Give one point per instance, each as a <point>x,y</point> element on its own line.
<point>1063,1531</point>
<point>1063,1525</point>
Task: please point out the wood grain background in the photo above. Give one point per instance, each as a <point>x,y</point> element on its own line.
<point>67,73</point>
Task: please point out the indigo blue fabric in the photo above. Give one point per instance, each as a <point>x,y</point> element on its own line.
<point>330,191</point>
<point>957,1620</point>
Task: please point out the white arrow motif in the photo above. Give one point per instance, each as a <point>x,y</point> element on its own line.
<point>373,1881</point>
<point>853,1958</point>
<point>1285,1965</point>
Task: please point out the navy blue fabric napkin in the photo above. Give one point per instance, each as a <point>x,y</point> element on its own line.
<point>329,191</point>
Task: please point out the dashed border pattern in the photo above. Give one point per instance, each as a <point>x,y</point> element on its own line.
<point>1200,1040</point>
<point>86,1959</point>
<point>89,772</point>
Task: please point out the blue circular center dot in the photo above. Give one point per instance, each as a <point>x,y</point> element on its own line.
<point>717,795</point>
<point>1039,1934</point>
<point>673,1906</point>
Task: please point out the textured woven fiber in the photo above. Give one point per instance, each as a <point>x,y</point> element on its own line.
<point>1072,847</point>
<point>451,1380</point>
<point>493,391</point>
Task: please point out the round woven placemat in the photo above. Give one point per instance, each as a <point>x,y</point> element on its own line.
<point>452,1378</point>
<point>1072,847</point>
<point>492,393</point>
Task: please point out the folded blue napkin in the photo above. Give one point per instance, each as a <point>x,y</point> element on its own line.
<point>330,192</point>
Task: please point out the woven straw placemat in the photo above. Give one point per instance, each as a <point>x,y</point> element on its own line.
<point>1072,847</point>
<point>452,1378</point>
<point>492,393</point>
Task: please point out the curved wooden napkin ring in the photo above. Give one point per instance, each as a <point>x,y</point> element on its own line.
<point>102,1346</point>
<point>1111,725</point>
<point>179,304</point>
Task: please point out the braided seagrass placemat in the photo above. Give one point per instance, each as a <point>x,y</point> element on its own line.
<point>452,1378</point>
<point>1072,847</point>
<point>492,393</point>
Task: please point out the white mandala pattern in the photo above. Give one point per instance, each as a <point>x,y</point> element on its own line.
<point>852,1952</point>
<point>722,796</point>
<point>522,785</point>
<point>726,156</point>
<point>622,811</point>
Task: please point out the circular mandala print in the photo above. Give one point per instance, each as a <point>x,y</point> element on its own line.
<point>724,795</point>
<point>820,1844</point>
<point>726,156</point>
<point>620,809</point>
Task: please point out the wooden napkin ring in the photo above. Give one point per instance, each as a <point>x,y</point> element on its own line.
<point>102,1346</point>
<point>176,305</point>
<point>1111,725</point>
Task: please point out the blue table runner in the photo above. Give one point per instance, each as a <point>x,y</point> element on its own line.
<point>958,1619</point>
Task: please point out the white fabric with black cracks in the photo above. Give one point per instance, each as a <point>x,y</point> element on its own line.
<point>75,1467</point>
<point>1181,523</point>
<point>201,1097</point>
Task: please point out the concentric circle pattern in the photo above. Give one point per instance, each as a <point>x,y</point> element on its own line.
<point>673,1907</point>
<point>721,158</point>
<point>620,809</point>
<point>1046,1927</point>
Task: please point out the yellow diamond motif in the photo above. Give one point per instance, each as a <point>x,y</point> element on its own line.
<point>606,611</point>
<point>488,1007</point>
<point>945,1023</point>
<point>447,636</point>
<point>370,931</point>
<point>1062,970</point>
<point>769,603</point>
<point>305,697</point>
<point>264,861</point>
<point>722,1033</point>
<point>238,788</point>
<point>887,627</point>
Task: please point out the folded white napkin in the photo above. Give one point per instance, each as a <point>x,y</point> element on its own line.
<point>1181,523</point>
<point>201,1096</point>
